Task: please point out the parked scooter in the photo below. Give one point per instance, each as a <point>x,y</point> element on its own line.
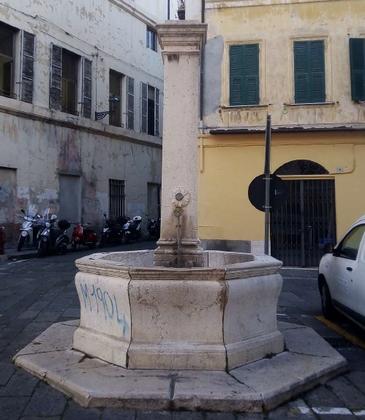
<point>112,232</point>
<point>153,228</point>
<point>53,238</point>
<point>132,229</point>
<point>30,225</point>
<point>83,235</point>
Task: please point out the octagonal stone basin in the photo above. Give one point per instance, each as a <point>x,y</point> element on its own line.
<point>139,316</point>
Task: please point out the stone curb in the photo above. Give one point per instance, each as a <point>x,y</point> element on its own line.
<point>290,272</point>
<point>21,255</point>
<point>259,386</point>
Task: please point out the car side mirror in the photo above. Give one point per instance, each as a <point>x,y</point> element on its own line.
<point>328,248</point>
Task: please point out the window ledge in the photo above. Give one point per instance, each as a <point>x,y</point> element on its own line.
<point>244,106</point>
<point>311,104</point>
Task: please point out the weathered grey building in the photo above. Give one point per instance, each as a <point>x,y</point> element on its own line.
<point>62,64</point>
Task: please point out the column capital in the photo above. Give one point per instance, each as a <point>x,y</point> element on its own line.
<point>182,37</point>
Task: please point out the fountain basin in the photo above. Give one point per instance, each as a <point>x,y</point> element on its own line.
<point>139,316</point>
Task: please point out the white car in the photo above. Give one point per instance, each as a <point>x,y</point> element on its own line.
<point>341,278</point>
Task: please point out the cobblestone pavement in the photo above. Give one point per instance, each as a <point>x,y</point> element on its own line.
<point>38,292</point>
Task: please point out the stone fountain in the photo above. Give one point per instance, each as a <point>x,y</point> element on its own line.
<point>179,327</point>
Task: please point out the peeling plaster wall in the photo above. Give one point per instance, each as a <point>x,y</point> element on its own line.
<point>41,143</point>
<point>52,151</point>
<point>275,24</point>
<point>102,32</point>
<point>228,163</point>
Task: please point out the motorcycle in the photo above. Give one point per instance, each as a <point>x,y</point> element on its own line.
<point>83,235</point>
<point>132,229</point>
<point>30,225</point>
<point>153,228</point>
<point>112,232</point>
<point>52,238</point>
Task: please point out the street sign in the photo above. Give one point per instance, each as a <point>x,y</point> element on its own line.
<point>256,192</point>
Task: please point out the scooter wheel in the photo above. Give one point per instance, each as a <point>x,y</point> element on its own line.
<point>42,249</point>
<point>21,243</point>
<point>62,249</point>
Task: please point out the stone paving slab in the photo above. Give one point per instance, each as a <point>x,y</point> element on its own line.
<point>263,385</point>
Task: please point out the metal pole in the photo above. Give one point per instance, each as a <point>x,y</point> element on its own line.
<point>168,9</point>
<point>267,179</point>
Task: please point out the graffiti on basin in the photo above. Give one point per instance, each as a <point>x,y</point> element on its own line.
<point>103,303</point>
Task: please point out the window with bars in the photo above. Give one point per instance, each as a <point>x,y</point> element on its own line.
<point>116,198</point>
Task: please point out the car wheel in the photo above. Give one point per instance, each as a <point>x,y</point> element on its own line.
<point>326,301</point>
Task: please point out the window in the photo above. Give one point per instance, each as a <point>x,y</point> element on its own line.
<point>116,198</point>
<point>70,66</point>
<point>301,167</point>
<point>349,247</point>
<point>115,95</point>
<point>151,39</point>
<point>9,37</point>
<point>64,82</point>
<point>150,112</point>
<point>7,34</point>
<point>244,74</point>
<point>357,63</point>
<point>309,71</point>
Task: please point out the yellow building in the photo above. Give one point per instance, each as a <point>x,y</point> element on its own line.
<point>302,62</point>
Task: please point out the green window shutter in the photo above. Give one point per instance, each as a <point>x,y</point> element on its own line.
<point>236,74</point>
<point>244,74</point>
<point>357,63</point>
<point>317,76</point>
<point>309,72</point>
<point>301,71</point>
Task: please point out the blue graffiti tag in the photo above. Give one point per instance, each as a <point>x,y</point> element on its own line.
<point>108,305</point>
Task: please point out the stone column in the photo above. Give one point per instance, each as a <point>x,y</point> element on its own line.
<point>181,43</point>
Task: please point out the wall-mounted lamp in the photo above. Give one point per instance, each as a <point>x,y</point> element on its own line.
<point>102,114</point>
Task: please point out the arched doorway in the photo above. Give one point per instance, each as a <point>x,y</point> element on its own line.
<point>305,221</point>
